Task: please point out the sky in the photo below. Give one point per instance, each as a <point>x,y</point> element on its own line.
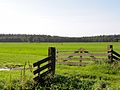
<point>72,18</point>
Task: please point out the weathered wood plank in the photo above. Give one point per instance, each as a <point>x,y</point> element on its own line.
<point>41,61</point>
<point>98,54</point>
<point>60,51</point>
<point>81,49</point>
<point>81,59</point>
<point>116,53</point>
<point>68,63</point>
<point>47,72</point>
<point>91,51</point>
<point>65,51</point>
<point>36,78</point>
<point>74,59</point>
<point>42,76</point>
<point>42,68</point>
<point>116,58</point>
<point>72,63</point>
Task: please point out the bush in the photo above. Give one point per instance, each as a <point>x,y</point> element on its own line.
<point>67,83</point>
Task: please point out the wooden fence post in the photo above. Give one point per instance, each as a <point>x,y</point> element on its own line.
<point>52,53</point>
<point>81,52</point>
<point>110,53</point>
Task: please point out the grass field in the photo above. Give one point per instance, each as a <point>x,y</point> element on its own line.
<point>17,54</point>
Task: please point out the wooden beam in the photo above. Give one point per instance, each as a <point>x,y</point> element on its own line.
<point>41,61</point>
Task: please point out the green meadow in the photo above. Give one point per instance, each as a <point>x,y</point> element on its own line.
<point>89,77</point>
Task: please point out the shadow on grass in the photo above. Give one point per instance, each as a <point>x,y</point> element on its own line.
<point>60,82</point>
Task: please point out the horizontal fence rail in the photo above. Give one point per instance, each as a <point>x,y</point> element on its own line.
<point>99,54</point>
<point>82,59</point>
<point>41,61</point>
<point>79,50</point>
<point>115,53</point>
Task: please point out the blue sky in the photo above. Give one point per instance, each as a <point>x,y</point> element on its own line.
<point>73,18</point>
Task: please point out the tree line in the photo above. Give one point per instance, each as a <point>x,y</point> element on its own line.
<point>48,38</point>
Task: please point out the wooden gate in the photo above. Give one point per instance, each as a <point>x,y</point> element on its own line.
<point>83,56</point>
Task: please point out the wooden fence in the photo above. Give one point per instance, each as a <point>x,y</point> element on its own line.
<point>83,56</point>
<point>113,55</point>
<point>45,67</point>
